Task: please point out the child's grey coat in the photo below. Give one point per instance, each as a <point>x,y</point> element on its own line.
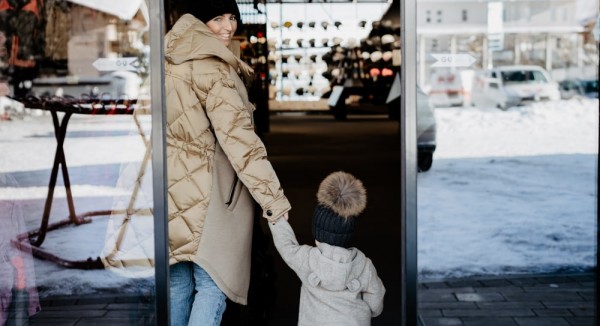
<point>339,286</point>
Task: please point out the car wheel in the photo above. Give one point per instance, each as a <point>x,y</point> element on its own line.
<point>424,161</point>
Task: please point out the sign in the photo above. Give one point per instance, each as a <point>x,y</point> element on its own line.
<point>495,26</point>
<point>453,60</point>
<point>495,42</point>
<point>114,64</point>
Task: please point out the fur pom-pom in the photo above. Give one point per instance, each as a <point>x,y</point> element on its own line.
<point>342,193</point>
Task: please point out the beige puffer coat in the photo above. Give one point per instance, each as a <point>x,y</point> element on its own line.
<point>211,144</point>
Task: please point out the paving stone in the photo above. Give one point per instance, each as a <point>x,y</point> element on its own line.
<point>583,312</point>
<point>104,322</point>
<point>495,282</point>
<point>581,321</point>
<point>437,297</point>
<point>464,284</point>
<point>97,306</point>
<point>583,278</point>
<point>522,281</point>
<point>553,312</point>
<point>429,321</point>
<point>541,321</point>
<point>508,288</point>
<point>436,285</point>
<point>553,279</point>
<point>487,312</point>
<point>543,296</point>
<point>568,304</point>
<point>430,312</point>
<point>52,322</point>
<point>70,314</point>
<point>489,321</point>
<point>477,297</point>
<point>588,296</point>
<point>447,305</point>
<point>510,305</point>
<point>451,290</point>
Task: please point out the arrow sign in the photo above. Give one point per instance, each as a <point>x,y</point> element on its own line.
<point>453,60</point>
<point>113,64</point>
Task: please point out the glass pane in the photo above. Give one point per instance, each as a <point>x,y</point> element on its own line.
<point>76,229</point>
<point>507,196</point>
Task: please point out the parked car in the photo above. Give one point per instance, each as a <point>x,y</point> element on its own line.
<point>507,86</point>
<point>426,131</point>
<point>446,89</point>
<point>426,124</point>
<point>579,87</point>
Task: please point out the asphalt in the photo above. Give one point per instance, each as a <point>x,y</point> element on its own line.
<point>303,150</point>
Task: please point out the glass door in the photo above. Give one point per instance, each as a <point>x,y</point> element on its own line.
<point>76,178</point>
<point>507,142</point>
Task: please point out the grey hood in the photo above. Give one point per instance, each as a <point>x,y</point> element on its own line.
<point>336,268</point>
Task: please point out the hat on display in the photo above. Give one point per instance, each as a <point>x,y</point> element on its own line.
<point>325,24</point>
<point>288,24</point>
<point>313,57</point>
<point>365,55</point>
<point>362,24</point>
<point>376,56</point>
<point>312,24</point>
<point>337,24</point>
<point>300,25</point>
<point>324,41</point>
<point>274,25</point>
<point>210,9</point>
<point>298,57</point>
<point>286,41</point>
<point>287,90</point>
<point>341,198</point>
<point>387,56</point>
<point>312,42</point>
<point>299,42</point>
<point>387,39</point>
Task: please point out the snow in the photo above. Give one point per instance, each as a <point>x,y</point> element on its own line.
<point>509,191</point>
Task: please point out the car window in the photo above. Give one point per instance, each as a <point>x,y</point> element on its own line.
<point>523,76</point>
<point>590,86</point>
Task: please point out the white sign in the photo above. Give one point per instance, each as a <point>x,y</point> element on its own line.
<point>495,42</point>
<point>113,64</point>
<point>453,60</point>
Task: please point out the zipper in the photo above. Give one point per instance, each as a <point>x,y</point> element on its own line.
<point>232,191</point>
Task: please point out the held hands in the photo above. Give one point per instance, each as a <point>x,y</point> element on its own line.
<point>284,216</point>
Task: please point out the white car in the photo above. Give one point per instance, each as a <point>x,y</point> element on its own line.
<point>504,87</point>
<point>446,89</point>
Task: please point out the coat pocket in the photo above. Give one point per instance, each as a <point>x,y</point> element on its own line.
<point>234,193</point>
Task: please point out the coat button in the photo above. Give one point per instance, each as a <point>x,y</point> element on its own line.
<point>269,213</point>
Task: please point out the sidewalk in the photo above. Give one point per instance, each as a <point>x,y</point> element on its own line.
<point>544,300</point>
<point>528,300</point>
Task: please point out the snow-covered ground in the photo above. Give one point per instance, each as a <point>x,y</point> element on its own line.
<point>509,191</point>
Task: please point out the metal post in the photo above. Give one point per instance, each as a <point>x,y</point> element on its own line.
<point>408,163</point>
<point>156,12</point>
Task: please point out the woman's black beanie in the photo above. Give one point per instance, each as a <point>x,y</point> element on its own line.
<point>205,10</point>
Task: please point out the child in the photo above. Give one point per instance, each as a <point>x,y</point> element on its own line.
<point>340,285</point>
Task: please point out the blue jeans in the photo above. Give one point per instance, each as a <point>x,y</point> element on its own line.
<point>195,298</point>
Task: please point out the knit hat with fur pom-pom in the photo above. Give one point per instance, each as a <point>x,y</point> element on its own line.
<point>341,198</point>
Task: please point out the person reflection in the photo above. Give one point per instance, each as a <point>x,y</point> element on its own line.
<point>18,293</point>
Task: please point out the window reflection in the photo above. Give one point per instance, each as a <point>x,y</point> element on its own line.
<point>75,178</point>
<point>509,204</point>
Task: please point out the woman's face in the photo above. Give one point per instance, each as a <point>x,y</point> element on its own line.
<point>224,27</point>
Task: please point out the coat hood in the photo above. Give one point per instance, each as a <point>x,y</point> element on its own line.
<point>335,268</point>
<point>191,39</point>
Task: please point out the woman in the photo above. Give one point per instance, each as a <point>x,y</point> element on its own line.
<point>216,164</point>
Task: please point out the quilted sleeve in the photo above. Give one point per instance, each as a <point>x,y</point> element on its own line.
<point>233,127</point>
